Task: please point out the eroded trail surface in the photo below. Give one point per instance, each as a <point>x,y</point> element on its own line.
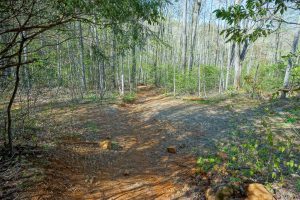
<point>138,166</point>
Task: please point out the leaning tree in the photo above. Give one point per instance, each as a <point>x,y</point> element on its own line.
<point>23,21</point>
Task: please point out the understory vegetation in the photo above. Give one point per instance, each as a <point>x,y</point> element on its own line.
<point>267,154</point>
<point>86,85</point>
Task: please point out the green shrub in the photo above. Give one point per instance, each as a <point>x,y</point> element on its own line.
<point>259,158</point>
<point>129,98</point>
<point>298,186</point>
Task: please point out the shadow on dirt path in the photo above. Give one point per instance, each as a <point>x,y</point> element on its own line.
<point>137,167</point>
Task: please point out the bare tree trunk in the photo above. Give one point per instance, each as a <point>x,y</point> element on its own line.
<point>290,63</point>
<point>133,57</point>
<point>93,67</point>
<point>196,12</point>
<point>25,68</point>
<point>140,67</point>
<point>229,63</point>
<point>155,66</point>
<point>237,60</point>
<point>12,98</point>
<point>118,85</point>
<point>221,81</point>
<point>122,75</point>
<point>133,67</point>
<point>249,65</point>
<point>277,40</point>
<point>58,53</point>
<point>174,77</point>
<point>199,79</point>
<point>113,61</point>
<point>72,67</point>
<point>254,81</point>
<point>129,75</point>
<point>100,63</point>
<point>184,37</point>
<point>237,67</point>
<point>81,56</point>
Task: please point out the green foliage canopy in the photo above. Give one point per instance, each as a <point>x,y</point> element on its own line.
<point>262,17</point>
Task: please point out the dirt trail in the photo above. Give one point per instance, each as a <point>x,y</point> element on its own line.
<point>138,166</point>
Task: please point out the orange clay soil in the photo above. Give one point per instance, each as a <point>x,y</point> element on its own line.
<point>137,166</point>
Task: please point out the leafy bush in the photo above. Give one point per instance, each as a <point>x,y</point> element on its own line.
<point>296,75</point>
<point>258,158</point>
<point>298,186</point>
<point>129,98</point>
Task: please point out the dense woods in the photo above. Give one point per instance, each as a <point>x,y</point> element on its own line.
<point>70,52</point>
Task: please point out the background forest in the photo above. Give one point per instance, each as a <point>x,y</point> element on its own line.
<point>102,51</point>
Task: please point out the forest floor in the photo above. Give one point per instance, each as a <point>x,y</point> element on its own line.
<point>137,166</point>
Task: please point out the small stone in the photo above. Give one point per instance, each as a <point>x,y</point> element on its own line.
<point>209,194</point>
<point>105,145</point>
<point>171,149</point>
<point>256,191</point>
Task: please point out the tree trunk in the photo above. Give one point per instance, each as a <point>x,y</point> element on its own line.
<point>11,101</point>
<point>277,46</point>
<point>290,63</point>
<point>129,75</point>
<point>113,61</point>
<point>81,56</point>
<point>237,60</point>
<point>100,63</point>
<point>199,79</point>
<point>58,53</point>
<point>174,77</point>
<point>133,57</point>
<point>237,67</point>
<point>196,12</point>
<point>122,75</point>
<point>229,63</point>
<point>184,36</point>
<point>133,68</point>
<point>155,67</point>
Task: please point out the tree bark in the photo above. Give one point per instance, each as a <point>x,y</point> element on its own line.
<point>100,63</point>
<point>11,101</point>
<point>277,40</point>
<point>184,37</point>
<point>237,67</point>
<point>237,60</point>
<point>122,75</point>
<point>81,56</point>
<point>133,67</point>
<point>229,63</point>
<point>113,60</point>
<point>196,12</point>
<point>290,63</point>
